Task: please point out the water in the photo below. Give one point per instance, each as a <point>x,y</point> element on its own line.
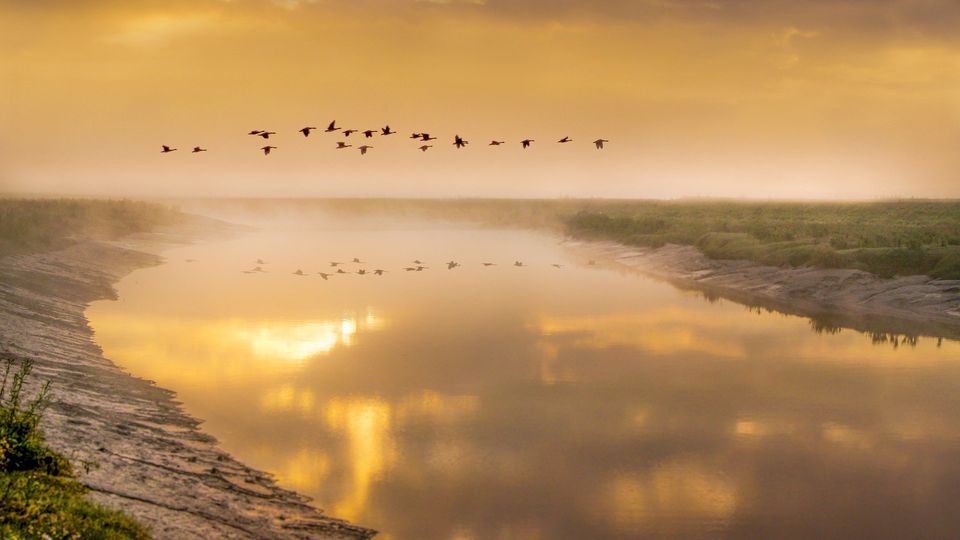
<point>536,402</point>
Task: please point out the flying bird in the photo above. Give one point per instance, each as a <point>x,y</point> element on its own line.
<point>335,264</point>
<point>425,147</point>
<point>324,275</point>
<point>266,134</point>
<point>425,137</point>
<point>599,143</point>
<point>341,145</point>
<point>257,269</point>
<point>267,149</point>
<point>489,264</point>
<point>198,149</point>
<point>452,264</point>
<point>332,127</point>
<point>306,131</point>
<point>357,260</point>
<point>410,269</point>
<point>526,142</point>
<point>386,130</point>
<point>361,272</point>
<point>363,149</point>
<point>340,271</point>
<point>555,265</point>
<point>495,143</point>
<point>348,132</point>
<point>417,261</point>
<point>379,272</point>
<point>369,133</point>
<point>298,272</point>
<point>255,132</point>
<point>459,142</point>
<point>166,149</point>
<point>517,263</point>
<point>261,261</point>
<point>416,135</point>
<point>565,140</point>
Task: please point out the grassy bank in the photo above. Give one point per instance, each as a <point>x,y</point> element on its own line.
<point>39,496</point>
<point>885,238</point>
<point>43,224</point>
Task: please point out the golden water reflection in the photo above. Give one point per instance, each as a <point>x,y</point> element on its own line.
<point>536,403</point>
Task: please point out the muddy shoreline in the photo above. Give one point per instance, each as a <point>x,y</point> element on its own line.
<point>129,440</point>
<point>831,298</point>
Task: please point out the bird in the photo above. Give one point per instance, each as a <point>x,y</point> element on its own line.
<point>452,264</point>
<point>306,131</point>
<point>416,135</point>
<point>261,261</point>
<point>198,149</point>
<point>324,275</point>
<point>386,130</point>
<point>348,132</point>
<point>599,143</point>
<point>257,269</point>
<point>166,149</point>
<point>517,263</point>
<point>459,142</point>
<point>342,145</point>
<point>555,265</point>
<point>335,264</point>
<point>565,140</point>
<point>425,147</point>
<point>357,260</point>
<point>495,143</point>
<point>363,149</point>
<point>267,149</point>
<point>369,133</point>
<point>298,272</point>
<point>526,142</point>
<point>379,272</point>
<point>422,268</point>
<point>410,269</point>
<point>417,261</point>
<point>255,132</point>
<point>489,264</point>
<point>425,137</point>
<point>361,272</point>
<point>340,271</point>
<point>332,127</point>
<point>266,134</point>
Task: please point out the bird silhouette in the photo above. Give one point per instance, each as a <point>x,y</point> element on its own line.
<point>452,264</point>
<point>555,265</point>
<point>298,272</point>
<point>425,137</point>
<point>306,131</point>
<point>517,263</point>
<point>459,142</point>
<point>417,261</point>
<point>348,132</point>
<point>266,134</point>
<point>255,132</point>
<point>369,133</point>
<point>379,272</point>
<point>422,268</point>
<point>357,260</point>
<point>341,145</point>
<point>340,271</point>
<point>416,135</point>
<point>599,143</point>
<point>331,127</point>
<point>489,264</point>
<point>198,149</point>
<point>261,261</point>
<point>565,140</point>
<point>495,143</point>
<point>361,272</point>
<point>410,269</point>
<point>164,149</point>
<point>363,149</point>
<point>267,149</point>
<point>425,147</point>
<point>386,130</point>
<point>257,269</point>
<point>335,264</point>
<point>324,275</point>
<point>526,142</point>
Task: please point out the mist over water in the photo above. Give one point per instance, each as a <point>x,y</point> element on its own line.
<point>534,401</point>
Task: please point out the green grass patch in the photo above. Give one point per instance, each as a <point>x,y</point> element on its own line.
<point>39,496</point>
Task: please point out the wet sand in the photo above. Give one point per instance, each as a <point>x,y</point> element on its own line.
<point>832,298</point>
<point>129,441</point>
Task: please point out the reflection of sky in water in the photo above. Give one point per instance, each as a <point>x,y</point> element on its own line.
<point>535,402</point>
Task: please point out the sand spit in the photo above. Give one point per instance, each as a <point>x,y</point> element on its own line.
<point>129,440</point>
<point>832,298</point>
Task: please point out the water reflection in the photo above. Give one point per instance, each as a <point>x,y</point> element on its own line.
<point>535,403</point>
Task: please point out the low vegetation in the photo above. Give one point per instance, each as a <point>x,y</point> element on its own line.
<point>43,224</point>
<point>885,238</point>
<point>39,496</point>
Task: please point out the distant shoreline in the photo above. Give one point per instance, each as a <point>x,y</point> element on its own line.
<point>831,298</point>
<point>149,458</point>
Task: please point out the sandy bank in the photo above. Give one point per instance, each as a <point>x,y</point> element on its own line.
<point>914,305</point>
<point>129,440</point>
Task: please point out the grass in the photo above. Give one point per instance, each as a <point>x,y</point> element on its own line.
<point>39,496</point>
<point>44,224</point>
<point>885,238</point>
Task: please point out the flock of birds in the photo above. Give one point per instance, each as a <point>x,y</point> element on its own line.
<point>417,266</point>
<point>458,141</point>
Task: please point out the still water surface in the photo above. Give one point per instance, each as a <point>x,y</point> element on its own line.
<point>537,402</point>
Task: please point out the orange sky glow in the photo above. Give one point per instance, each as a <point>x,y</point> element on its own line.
<point>730,98</point>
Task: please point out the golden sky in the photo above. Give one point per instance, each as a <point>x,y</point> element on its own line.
<point>779,98</point>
